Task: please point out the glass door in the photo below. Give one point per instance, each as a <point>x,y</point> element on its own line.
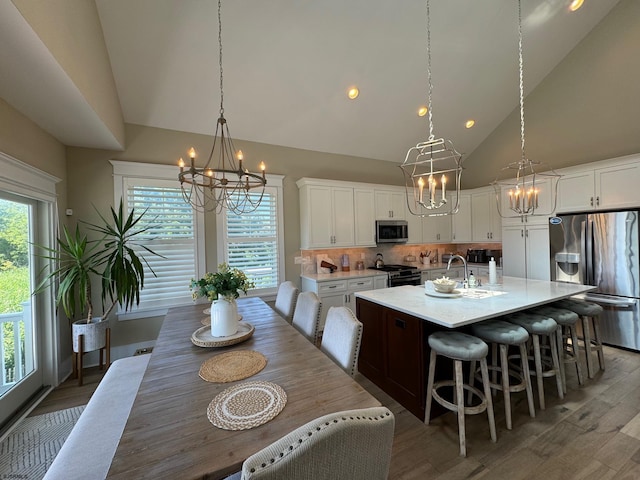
<point>20,346</point>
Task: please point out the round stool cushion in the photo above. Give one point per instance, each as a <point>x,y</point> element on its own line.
<point>499,331</point>
<point>585,309</point>
<point>458,346</point>
<point>562,316</point>
<point>533,323</point>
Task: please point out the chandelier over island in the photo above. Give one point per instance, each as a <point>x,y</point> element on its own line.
<point>525,188</point>
<point>221,182</point>
<point>432,168</point>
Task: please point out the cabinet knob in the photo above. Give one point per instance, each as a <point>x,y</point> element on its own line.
<point>401,323</point>
<point>591,201</point>
<point>597,201</point>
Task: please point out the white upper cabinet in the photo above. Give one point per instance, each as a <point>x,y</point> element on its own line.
<point>414,225</point>
<point>436,229</point>
<point>486,224</point>
<point>390,204</point>
<point>605,185</point>
<point>326,216</point>
<point>364,217</point>
<point>461,221</point>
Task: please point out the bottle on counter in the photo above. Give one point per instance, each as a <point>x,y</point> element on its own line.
<point>493,275</point>
<point>472,280</point>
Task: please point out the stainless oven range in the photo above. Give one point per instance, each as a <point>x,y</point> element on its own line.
<point>401,275</point>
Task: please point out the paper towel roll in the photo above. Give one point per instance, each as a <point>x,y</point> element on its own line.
<point>493,275</point>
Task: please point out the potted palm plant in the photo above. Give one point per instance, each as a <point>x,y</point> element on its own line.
<point>111,258</point>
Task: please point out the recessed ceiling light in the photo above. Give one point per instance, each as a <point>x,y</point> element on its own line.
<point>575,5</point>
<point>422,111</point>
<point>353,93</point>
<point>470,123</point>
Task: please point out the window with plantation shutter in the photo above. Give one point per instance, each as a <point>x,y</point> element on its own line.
<point>175,233</point>
<point>253,242</point>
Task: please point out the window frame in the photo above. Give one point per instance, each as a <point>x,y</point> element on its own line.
<point>274,182</point>
<point>125,173</point>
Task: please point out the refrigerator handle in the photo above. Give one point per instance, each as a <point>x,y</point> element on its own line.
<point>588,254</point>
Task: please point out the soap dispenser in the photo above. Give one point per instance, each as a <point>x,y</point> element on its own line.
<point>472,280</point>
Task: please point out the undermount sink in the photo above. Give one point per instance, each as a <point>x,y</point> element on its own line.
<point>479,293</point>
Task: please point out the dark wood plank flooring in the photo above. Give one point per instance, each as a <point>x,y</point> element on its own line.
<point>594,433</point>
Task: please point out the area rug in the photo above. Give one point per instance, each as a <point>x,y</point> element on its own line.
<point>30,448</point>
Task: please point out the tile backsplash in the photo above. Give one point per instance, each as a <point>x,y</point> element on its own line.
<point>392,254</point>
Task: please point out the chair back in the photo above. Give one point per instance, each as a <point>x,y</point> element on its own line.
<point>306,317</point>
<point>341,338</point>
<point>286,300</point>
<point>353,444</point>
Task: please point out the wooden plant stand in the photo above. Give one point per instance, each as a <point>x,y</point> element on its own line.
<point>78,356</point>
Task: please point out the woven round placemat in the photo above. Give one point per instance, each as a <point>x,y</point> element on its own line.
<point>232,366</point>
<point>247,405</point>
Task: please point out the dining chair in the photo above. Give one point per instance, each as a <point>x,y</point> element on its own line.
<point>286,300</point>
<point>352,444</point>
<point>306,316</point>
<point>341,338</point>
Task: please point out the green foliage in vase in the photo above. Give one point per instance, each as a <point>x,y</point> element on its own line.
<point>226,282</point>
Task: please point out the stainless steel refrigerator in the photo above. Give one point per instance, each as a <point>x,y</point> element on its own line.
<point>601,249</point>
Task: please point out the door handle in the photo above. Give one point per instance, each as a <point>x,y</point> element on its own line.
<point>609,301</point>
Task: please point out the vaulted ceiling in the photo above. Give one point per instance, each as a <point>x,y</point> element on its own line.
<point>287,66</point>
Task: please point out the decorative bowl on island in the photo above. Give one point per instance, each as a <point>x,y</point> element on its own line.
<point>444,285</point>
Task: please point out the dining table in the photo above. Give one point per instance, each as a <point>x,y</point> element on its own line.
<point>169,434</point>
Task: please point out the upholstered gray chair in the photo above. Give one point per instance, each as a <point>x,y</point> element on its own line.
<point>286,300</point>
<point>341,338</point>
<point>306,316</point>
<point>353,445</point>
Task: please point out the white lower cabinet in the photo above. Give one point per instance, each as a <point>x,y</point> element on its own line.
<point>525,251</point>
<point>341,292</point>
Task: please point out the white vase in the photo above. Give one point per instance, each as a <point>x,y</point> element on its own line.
<point>224,318</point>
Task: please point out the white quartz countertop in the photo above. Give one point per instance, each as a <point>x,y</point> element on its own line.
<point>512,295</point>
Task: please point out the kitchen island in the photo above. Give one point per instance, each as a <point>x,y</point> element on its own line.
<point>397,322</point>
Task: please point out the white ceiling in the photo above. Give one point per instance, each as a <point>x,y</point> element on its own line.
<point>287,65</point>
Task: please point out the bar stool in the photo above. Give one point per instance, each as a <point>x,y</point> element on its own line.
<point>503,334</point>
<point>566,320</point>
<point>537,326</point>
<point>590,313</point>
<point>460,347</point>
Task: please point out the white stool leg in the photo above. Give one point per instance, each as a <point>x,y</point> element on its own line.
<point>527,378</point>
<point>460,403</point>
<point>538,361</point>
<point>504,366</point>
<point>432,374</point>
<point>576,353</point>
<point>487,394</point>
<point>555,359</point>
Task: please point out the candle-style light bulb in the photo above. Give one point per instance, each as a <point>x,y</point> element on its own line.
<point>432,189</point>
<point>511,199</point>
<point>192,156</point>
<point>420,189</point>
<point>263,167</point>
<point>181,164</point>
<point>240,157</point>
<point>444,185</point>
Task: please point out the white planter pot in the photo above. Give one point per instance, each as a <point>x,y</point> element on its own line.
<point>224,318</point>
<point>95,334</point>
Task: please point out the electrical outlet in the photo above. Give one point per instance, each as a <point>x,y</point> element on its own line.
<point>142,351</point>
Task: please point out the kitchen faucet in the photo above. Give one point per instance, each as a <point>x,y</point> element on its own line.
<point>464,262</point>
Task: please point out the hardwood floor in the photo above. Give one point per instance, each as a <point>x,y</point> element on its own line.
<point>594,433</point>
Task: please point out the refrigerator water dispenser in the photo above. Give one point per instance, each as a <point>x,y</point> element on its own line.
<point>567,267</point>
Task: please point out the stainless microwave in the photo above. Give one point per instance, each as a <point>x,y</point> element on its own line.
<point>392,231</point>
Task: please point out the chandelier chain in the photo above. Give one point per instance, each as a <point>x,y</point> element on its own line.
<point>431,136</point>
<point>521,69</point>
<point>220,55</point>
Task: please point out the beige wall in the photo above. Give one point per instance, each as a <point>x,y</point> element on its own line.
<point>72,32</point>
<point>585,110</point>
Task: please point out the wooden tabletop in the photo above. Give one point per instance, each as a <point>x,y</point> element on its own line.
<point>168,434</point>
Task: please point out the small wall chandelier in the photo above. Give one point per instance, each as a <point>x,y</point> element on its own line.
<point>519,185</point>
<point>227,184</point>
<point>426,166</point>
